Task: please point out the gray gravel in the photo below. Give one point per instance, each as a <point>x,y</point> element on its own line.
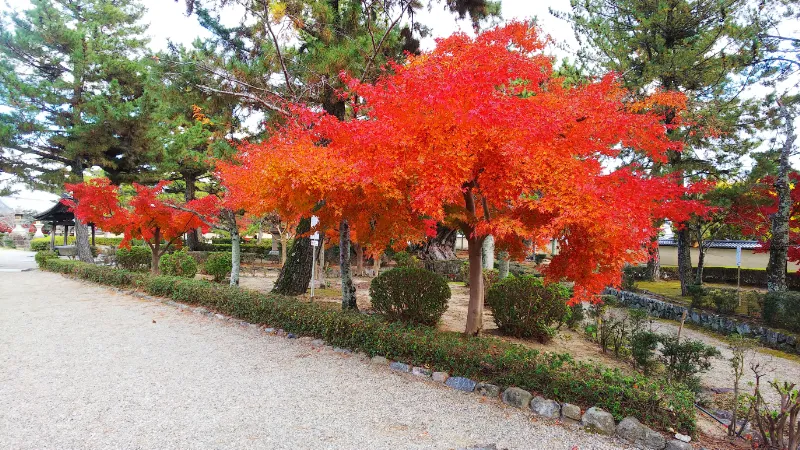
<point>82,366</point>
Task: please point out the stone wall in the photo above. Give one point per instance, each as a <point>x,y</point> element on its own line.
<point>715,322</point>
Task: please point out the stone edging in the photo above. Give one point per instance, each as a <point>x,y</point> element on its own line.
<point>594,419</point>
<point>722,324</point>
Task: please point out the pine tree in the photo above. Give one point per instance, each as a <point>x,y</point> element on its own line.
<point>71,80</point>
<point>702,49</point>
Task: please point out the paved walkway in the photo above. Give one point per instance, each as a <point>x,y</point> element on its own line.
<point>82,366</point>
<point>16,260</point>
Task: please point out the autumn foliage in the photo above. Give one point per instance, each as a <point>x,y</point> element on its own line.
<point>148,215</point>
<point>481,136</point>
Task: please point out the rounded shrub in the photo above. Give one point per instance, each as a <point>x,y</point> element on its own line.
<point>136,258</point>
<point>178,264</point>
<point>44,255</point>
<point>782,310</point>
<point>405,259</point>
<point>410,294</point>
<point>218,265</point>
<point>526,307</point>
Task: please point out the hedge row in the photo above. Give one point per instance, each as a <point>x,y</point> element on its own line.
<point>40,244</point>
<point>259,249</point>
<point>558,376</point>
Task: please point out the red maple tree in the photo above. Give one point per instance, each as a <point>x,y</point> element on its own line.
<point>148,215</point>
<point>479,135</point>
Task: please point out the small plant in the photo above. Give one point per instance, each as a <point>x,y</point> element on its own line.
<point>410,294</point>
<point>218,265</point>
<point>629,274</point>
<point>726,300</point>
<point>525,307</point>
<point>739,347</point>
<point>136,259</point>
<point>685,359</point>
<point>643,346</point>
<point>754,301</point>
<point>490,277</point>
<point>779,428</point>
<point>405,259</point>
<point>697,292</point>
<point>178,264</point>
<point>782,310</point>
<point>42,256</point>
<point>576,316</point>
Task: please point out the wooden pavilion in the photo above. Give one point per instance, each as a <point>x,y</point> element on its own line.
<point>60,215</point>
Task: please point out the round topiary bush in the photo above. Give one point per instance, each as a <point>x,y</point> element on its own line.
<point>137,258</point>
<point>410,294</point>
<point>178,264</point>
<point>525,307</point>
<point>44,255</point>
<point>218,265</point>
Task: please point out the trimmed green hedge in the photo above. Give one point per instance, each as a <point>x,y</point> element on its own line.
<point>40,244</point>
<point>261,250</point>
<point>558,376</point>
<point>750,277</point>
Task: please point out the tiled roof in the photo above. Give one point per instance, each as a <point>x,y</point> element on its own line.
<point>747,245</point>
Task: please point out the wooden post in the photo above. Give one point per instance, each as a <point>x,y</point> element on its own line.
<point>92,235</point>
<point>66,233</point>
<point>53,236</point>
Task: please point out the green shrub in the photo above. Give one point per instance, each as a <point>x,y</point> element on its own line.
<point>44,255</point>
<point>699,296</point>
<point>490,278</point>
<point>40,244</point>
<point>655,402</point>
<point>576,316</point>
<point>178,264</point>
<point>725,300</point>
<point>411,295</point>
<point>525,307</point>
<point>782,310</point>
<point>136,258</point>
<point>405,259</point>
<point>629,277</point>
<point>643,350</point>
<point>218,265</point>
<point>685,359</point>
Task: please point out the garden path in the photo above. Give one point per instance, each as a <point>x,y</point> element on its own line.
<point>83,366</point>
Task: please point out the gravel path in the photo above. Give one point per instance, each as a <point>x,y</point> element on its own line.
<point>82,366</point>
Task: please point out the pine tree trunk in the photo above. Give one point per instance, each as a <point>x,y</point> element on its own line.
<point>82,242</point>
<point>348,289</point>
<point>475,307</point>
<point>442,246</point>
<point>189,194</point>
<point>503,264</point>
<point>684,259</point>
<point>295,274</point>
<point>236,253</point>
<point>488,252</point>
<point>779,247</point>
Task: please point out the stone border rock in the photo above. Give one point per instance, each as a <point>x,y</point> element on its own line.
<point>719,323</point>
<point>593,419</point>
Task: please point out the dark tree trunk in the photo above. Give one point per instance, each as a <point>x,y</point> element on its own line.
<point>684,259</point>
<point>440,247</point>
<point>189,194</point>
<point>359,259</point>
<point>475,306</point>
<point>779,247</point>
<point>155,247</point>
<point>295,275</point>
<point>348,288</point>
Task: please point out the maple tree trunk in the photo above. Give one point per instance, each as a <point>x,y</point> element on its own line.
<point>348,289</point>
<point>779,247</point>
<point>156,250</point>
<point>295,274</point>
<point>82,242</point>
<point>503,264</point>
<point>236,255</point>
<point>359,259</point>
<point>475,307</point>
<point>189,194</point>
<point>684,260</point>
<point>376,264</point>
